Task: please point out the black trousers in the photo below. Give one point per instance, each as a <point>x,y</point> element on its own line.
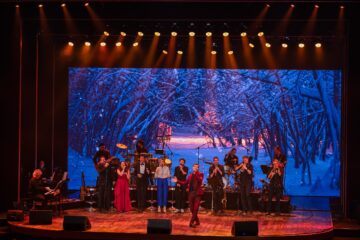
<point>277,191</point>
<point>218,196</point>
<point>180,197</point>
<point>141,188</point>
<point>245,189</point>
<point>104,196</point>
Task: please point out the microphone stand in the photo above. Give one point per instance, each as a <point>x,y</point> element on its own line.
<point>198,149</point>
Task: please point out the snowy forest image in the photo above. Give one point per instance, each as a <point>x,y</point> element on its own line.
<point>197,114</point>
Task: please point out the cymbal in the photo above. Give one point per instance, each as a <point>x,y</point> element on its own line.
<point>121,146</point>
<point>167,161</point>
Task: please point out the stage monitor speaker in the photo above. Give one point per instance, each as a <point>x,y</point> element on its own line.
<point>245,228</point>
<point>159,226</point>
<point>40,217</point>
<point>76,223</point>
<point>15,215</point>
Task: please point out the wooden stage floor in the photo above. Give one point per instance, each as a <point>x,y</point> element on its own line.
<point>132,225</point>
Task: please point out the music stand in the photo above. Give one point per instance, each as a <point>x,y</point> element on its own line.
<point>159,151</point>
<point>265,169</point>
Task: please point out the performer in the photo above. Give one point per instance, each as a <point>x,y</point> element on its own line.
<point>181,172</point>
<point>231,159</point>
<point>44,170</point>
<point>142,172</point>
<point>104,183</point>
<point>102,152</point>
<point>140,147</point>
<point>281,157</point>
<point>162,173</point>
<point>194,183</point>
<point>122,201</point>
<point>246,176</point>
<point>37,189</point>
<point>275,186</point>
<point>216,173</point>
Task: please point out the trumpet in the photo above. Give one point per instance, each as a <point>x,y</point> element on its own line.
<point>273,172</point>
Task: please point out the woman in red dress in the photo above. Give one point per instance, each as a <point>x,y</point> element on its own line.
<point>122,193</point>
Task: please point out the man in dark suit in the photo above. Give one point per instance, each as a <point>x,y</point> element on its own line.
<point>142,173</point>
<point>216,173</point>
<point>194,187</point>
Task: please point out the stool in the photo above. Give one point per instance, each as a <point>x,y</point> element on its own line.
<point>152,188</point>
<point>172,201</point>
<point>91,193</point>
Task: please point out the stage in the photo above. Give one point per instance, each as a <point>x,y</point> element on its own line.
<point>133,225</point>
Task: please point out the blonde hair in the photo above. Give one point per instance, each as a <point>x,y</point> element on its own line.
<point>37,173</point>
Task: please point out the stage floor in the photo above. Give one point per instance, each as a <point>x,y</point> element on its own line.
<point>297,224</point>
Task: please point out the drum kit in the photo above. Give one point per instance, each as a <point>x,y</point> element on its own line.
<point>154,162</point>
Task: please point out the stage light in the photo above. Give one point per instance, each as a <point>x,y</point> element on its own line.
<point>123,34</point>
<point>284,45</point>
<point>88,44</point>
<point>268,5</point>
<point>260,34</point>
<point>213,52</point>
<point>292,5</point>
<point>316,6</point>
<point>225,34</point>
<point>318,45</point>
<point>135,44</point>
<point>86,4</point>
<point>267,45</point>
<point>243,34</point>
<point>103,44</point>
<point>231,52</point>
<point>40,5</point>
<point>63,5</point>
<point>180,52</point>
<point>301,45</point>
<point>164,52</point>
<point>174,34</point>
<point>118,44</point>
<point>208,34</point>
<point>251,45</point>
<point>157,34</point>
<point>191,34</point>
<point>71,44</point>
<point>17,5</point>
<point>140,34</point>
<point>106,33</point>
<point>342,7</point>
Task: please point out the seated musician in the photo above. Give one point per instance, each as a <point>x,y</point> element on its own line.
<point>275,186</point>
<point>37,189</point>
<point>140,147</point>
<point>231,159</point>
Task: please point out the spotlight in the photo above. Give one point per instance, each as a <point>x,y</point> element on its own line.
<point>88,44</point>
<point>342,7</point>
<point>140,34</point>
<point>103,44</point>
<point>284,45</point>
<point>106,33</point>
<point>318,45</point>
<point>243,34</point>
<point>180,52</point>
<point>267,45</point>
<point>316,6</point>
<point>118,44</point>
<point>86,4</point>
<point>135,44</point>
<point>123,34</point>
<point>213,52</point>
<point>225,34</point>
<point>63,5</point>
<point>268,5</point>
<point>301,45</point>
<point>260,34</point>
<point>17,5</point>
<point>174,34</point>
<point>208,34</point>
<point>251,45</point>
<point>157,34</point>
<point>164,52</point>
<point>292,5</point>
<point>231,52</point>
<point>40,5</point>
<point>191,34</point>
<point>71,44</point>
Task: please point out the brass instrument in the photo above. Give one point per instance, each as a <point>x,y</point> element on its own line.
<point>273,172</point>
